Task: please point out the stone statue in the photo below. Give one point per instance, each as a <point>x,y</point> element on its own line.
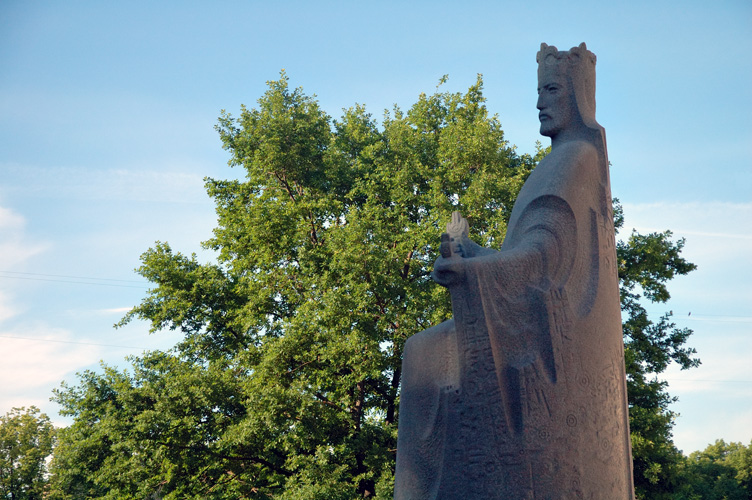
<point>522,395</point>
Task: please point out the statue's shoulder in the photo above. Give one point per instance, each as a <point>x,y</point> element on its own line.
<point>562,173</point>
<point>571,161</point>
<point>431,336</point>
<point>572,153</point>
<point>581,147</point>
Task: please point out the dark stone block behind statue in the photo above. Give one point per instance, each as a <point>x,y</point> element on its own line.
<point>522,395</point>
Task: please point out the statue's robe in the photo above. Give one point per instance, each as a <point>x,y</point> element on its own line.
<point>522,395</point>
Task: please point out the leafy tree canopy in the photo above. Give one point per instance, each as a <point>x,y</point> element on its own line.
<point>26,441</point>
<point>285,383</point>
<point>723,471</point>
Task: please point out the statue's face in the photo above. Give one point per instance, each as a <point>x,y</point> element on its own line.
<point>556,103</point>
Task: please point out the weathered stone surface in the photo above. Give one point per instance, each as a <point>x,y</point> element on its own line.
<point>522,395</point>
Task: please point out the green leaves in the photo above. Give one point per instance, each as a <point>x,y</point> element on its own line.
<point>723,471</point>
<point>26,440</point>
<point>649,261</point>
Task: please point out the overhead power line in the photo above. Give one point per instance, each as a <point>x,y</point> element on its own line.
<point>76,277</point>
<point>71,342</point>
<point>669,379</point>
<point>56,278</point>
<point>719,318</point>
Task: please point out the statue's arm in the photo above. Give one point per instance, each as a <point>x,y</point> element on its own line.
<point>475,250</point>
<point>522,263</point>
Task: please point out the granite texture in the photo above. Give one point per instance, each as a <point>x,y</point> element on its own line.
<point>522,395</point>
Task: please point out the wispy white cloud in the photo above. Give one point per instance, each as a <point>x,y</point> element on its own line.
<point>717,220</point>
<point>719,422</point>
<point>116,310</point>
<point>718,239</point>
<point>10,220</point>
<point>36,358</point>
<point>162,183</point>
<point>83,314</point>
<point>15,249</point>
<point>7,310</point>
<point>734,384</point>
<point>715,399</point>
<point>725,362</point>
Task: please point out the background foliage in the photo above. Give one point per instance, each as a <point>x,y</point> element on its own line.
<point>723,471</point>
<point>26,440</point>
<point>285,384</point>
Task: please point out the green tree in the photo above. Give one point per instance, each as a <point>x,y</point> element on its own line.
<point>285,382</point>
<point>26,440</point>
<point>723,471</point>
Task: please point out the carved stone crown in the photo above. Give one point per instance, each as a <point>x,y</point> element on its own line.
<point>573,55</point>
<point>578,64</point>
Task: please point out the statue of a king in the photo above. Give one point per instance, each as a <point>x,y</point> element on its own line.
<point>522,395</point>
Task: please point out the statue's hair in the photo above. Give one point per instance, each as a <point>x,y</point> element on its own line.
<point>578,64</point>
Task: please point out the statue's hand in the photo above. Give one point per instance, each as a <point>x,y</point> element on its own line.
<point>449,271</point>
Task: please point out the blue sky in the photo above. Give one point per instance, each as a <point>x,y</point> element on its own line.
<point>106,133</point>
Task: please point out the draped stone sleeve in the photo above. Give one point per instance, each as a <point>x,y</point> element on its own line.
<point>429,375</point>
<point>517,289</point>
